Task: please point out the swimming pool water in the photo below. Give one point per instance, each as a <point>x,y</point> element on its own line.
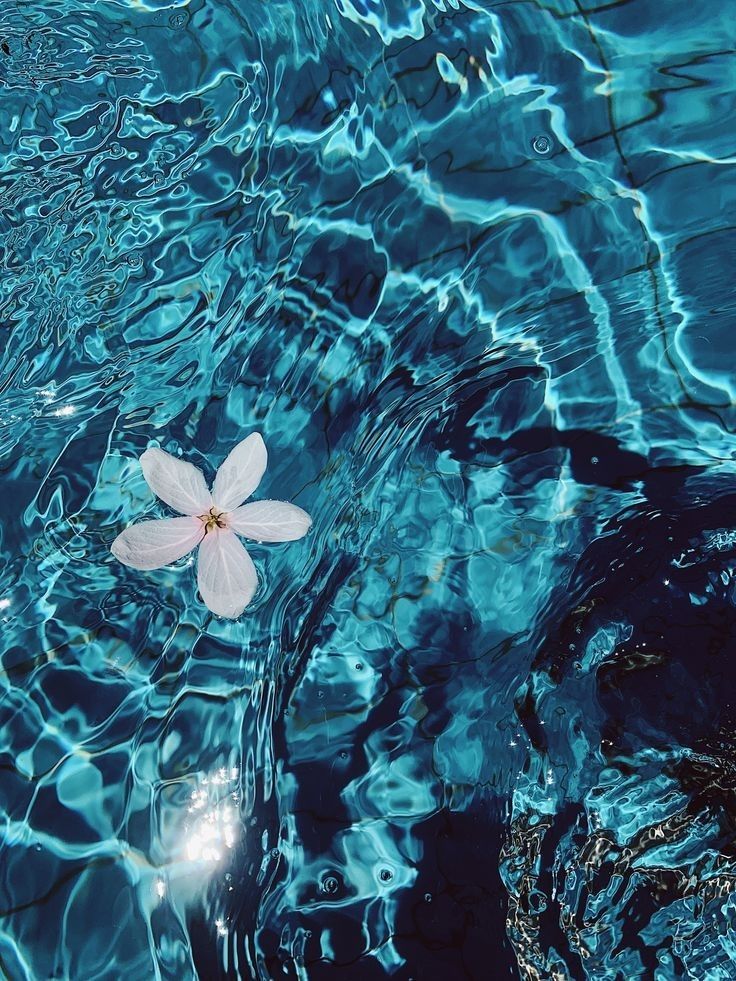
<point>467,266</point>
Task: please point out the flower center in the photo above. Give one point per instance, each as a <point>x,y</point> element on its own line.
<point>213,519</point>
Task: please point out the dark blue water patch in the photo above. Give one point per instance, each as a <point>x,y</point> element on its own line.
<point>450,924</point>
<point>644,640</point>
<point>447,920</point>
<point>347,272</point>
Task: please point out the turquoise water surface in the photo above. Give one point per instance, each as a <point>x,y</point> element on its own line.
<point>468,268</point>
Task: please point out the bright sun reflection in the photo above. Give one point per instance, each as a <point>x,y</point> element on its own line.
<point>213,810</point>
<point>4,603</point>
<point>65,410</point>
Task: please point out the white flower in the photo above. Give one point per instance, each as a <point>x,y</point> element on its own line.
<point>226,576</point>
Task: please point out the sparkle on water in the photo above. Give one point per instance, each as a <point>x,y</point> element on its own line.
<point>467,268</point>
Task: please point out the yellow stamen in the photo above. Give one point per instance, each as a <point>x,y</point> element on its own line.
<point>212,520</point>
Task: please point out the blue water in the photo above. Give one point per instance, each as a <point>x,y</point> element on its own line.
<point>468,267</point>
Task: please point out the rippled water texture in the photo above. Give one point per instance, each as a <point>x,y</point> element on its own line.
<point>467,266</point>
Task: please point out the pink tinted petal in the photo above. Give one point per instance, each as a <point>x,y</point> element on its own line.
<point>179,484</point>
<point>270,521</point>
<point>151,544</point>
<point>241,473</point>
<point>226,575</point>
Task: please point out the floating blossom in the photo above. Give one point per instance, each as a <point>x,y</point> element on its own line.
<point>212,520</point>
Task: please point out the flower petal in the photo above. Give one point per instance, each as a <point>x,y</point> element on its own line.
<point>270,521</point>
<point>179,484</point>
<point>241,473</point>
<point>151,544</point>
<point>226,575</point>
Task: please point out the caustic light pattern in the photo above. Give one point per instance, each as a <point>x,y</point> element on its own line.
<point>467,266</point>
